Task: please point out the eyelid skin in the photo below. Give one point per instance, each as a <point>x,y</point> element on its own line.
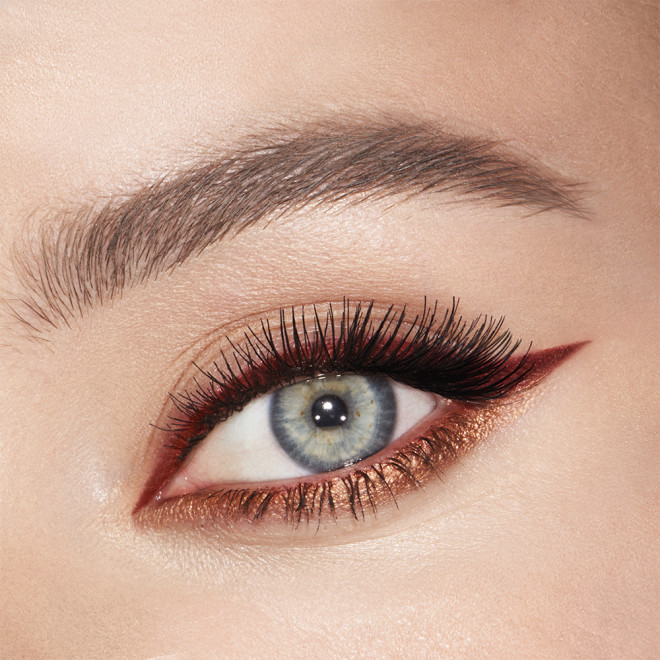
<point>473,362</point>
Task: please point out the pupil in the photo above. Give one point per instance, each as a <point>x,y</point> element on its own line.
<point>329,410</point>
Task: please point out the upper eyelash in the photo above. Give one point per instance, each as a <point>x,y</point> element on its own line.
<point>451,357</point>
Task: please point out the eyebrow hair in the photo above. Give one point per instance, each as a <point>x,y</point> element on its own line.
<point>87,257</point>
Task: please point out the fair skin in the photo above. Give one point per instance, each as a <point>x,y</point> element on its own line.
<point>539,542</point>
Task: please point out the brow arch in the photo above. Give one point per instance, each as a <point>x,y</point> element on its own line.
<point>86,257</point>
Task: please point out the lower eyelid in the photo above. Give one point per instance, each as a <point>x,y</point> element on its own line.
<point>231,514</point>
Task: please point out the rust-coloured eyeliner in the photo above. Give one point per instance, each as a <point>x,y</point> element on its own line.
<point>476,365</point>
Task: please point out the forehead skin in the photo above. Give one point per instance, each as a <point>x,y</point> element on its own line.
<point>95,97</point>
<point>91,96</point>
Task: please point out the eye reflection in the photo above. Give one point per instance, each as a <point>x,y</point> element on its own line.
<point>312,427</point>
<point>329,410</point>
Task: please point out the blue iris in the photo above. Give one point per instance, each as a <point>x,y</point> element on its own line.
<point>329,422</point>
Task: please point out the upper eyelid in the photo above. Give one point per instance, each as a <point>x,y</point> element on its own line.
<point>395,326</point>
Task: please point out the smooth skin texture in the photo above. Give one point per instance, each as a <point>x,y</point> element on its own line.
<point>543,541</point>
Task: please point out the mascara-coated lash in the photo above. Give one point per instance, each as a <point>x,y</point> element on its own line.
<point>446,355</point>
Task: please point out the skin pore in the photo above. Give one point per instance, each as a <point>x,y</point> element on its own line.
<point>539,541</point>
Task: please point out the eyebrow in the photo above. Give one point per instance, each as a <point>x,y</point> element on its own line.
<point>88,256</point>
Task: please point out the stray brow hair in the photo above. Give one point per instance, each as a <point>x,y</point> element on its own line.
<point>88,257</point>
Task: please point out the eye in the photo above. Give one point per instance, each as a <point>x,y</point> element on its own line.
<point>312,427</point>
<point>331,411</point>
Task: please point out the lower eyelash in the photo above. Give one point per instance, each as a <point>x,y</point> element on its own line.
<point>358,492</point>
